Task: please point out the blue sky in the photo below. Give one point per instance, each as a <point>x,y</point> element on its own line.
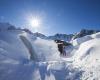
<point>57,16</point>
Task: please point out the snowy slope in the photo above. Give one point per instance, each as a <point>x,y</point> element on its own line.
<point>78,41</point>
<point>11,45</point>
<point>23,56</point>
<point>87,57</point>
<point>15,63</point>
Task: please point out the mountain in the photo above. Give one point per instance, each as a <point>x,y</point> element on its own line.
<point>64,37</point>
<point>58,36</point>
<point>40,35</point>
<point>6,26</point>
<point>84,32</point>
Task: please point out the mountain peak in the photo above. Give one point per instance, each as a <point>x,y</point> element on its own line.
<point>6,26</point>
<point>85,32</point>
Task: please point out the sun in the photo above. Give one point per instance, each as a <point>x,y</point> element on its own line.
<point>35,22</point>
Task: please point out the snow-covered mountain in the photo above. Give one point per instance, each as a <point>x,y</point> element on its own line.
<point>84,32</point>
<point>66,37</point>
<point>40,35</point>
<point>28,56</point>
<point>6,26</point>
<point>58,36</point>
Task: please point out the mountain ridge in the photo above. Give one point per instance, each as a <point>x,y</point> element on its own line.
<point>57,36</point>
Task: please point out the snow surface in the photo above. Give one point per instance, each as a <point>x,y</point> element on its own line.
<point>25,57</point>
<point>15,63</point>
<point>97,35</point>
<point>47,50</point>
<point>88,58</point>
<point>78,41</point>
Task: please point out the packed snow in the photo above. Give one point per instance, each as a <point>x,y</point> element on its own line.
<point>23,56</point>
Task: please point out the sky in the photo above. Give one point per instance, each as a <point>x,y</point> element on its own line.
<point>56,16</point>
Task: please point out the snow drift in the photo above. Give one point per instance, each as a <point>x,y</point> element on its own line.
<point>22,44</point>
<point>78,41</point>
<point>16,46</point>
<point>87,57</point>
<point>26,57</point>
<point>47,50</point>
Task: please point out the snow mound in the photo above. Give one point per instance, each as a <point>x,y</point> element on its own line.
<point>40,49</point>
<point>15,63</point>
<point>24,45</point>
<point>88,48</point>
<point>12,45</point>
<point>46,50</point>
<point>88,58</point>
<point>97,35</point>
<point>78,41</point>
